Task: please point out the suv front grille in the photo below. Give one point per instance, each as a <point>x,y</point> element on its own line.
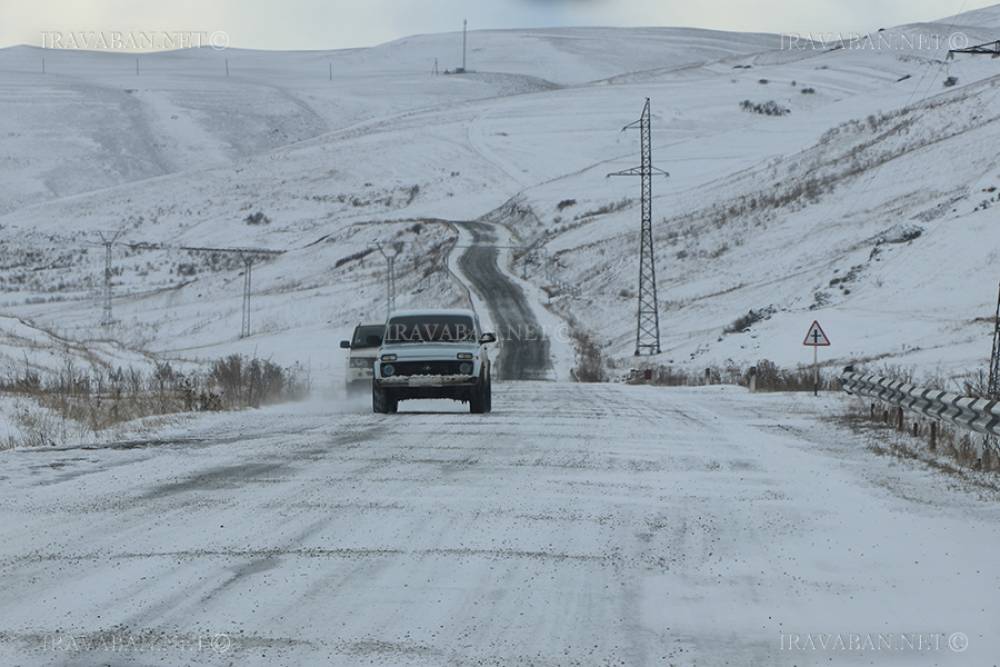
<point>426,367</point>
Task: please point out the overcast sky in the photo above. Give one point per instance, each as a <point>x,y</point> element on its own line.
<point>328,24</point>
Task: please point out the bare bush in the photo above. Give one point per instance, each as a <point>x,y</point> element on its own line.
<point>744,322</point>
<point>257,218</point>
<point>590,359</point>
<point>769,108</point>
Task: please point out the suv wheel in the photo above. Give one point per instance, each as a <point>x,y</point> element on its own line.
<point>481,398</point>
<point>383,401</point>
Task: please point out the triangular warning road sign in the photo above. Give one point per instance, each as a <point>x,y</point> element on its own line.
<point>816,337</point>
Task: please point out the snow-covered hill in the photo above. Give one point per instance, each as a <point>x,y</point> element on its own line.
<point>866,206</point>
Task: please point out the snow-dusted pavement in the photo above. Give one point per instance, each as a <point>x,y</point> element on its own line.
<point>577,524</point>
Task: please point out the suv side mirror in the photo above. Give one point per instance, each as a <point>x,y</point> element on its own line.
<point>487,338</point>
<point>346,344</point>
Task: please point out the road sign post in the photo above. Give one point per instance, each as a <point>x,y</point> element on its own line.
<point>816,338</point>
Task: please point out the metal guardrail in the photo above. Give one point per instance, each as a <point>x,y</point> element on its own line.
<point>975,414</point>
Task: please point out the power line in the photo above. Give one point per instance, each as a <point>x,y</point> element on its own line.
<point>647,330</point>
<point>248,255</point>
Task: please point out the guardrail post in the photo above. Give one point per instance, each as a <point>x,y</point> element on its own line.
<point>899,419</point>
<point>933,444</point>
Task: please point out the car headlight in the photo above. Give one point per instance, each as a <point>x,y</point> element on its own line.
<point>388,370</point>
<point>465,368</point>
<point>362,362</point>
<point>465,355</point>
<point>388,357</point>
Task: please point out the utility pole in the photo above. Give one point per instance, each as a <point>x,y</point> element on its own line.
<point>43,64</point>
<point>390,280</point>
<point>435,71</point>
<point>464,26</point>
<point>247,271</point>
<point>647,331</point>
<point>108,239</point>
<point>137,65</point>
<point>331,70</point>
<point>247,254</point>
<point>993,390</point>
<point>227,68</point>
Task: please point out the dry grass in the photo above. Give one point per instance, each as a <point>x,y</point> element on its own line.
<point>73,401</point>
<point>953,449</point>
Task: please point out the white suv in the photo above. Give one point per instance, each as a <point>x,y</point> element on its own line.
<point>363,347</point>
<point>433,354</point>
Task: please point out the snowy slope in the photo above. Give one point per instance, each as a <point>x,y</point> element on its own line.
<point>794,215</point>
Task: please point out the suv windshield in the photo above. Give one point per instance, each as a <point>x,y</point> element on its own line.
<point>430,329</point>
<point>367,336</point>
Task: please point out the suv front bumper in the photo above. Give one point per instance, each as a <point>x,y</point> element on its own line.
<point>427,381</point>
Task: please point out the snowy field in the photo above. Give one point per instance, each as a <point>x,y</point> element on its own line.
<point>866,206</point>
<point>576,525</point>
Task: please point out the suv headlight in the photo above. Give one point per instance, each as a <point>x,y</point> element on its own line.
<point>387,370</point>
<point>388,357</point>
<point>465,355</point>
<point>361,362</point>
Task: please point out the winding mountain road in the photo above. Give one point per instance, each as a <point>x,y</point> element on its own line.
<point>525,350</point>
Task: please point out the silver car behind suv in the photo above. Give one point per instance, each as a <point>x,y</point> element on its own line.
<point>363,347</point>
<point>433,354</point>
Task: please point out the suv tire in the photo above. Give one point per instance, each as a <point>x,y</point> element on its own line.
<point>383,401</point>
<point>482,396</point>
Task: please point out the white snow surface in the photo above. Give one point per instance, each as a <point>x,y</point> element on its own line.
<point>576,524</point>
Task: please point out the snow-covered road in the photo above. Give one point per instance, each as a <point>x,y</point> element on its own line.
<point>577,524</point>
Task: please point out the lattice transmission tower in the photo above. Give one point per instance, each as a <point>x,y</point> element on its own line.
<point>647,330</point>
<point>390,277</point>
<point>108,239</point>
<point>247,291</point>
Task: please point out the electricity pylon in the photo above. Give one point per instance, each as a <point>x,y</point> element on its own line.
<point>647,330</point>
<point>108,239</point>
<point>390,280</point>
<point>248,270</point>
